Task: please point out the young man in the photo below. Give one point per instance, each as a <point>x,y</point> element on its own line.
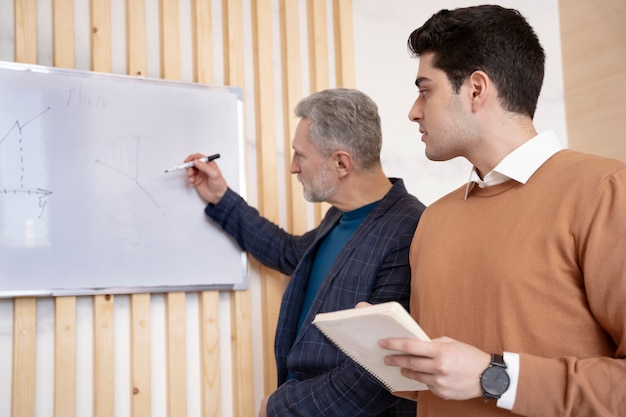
<point>520,275</point>
<point>359,252</point>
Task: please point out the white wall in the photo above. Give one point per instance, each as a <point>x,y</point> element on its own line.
<point>387,74</point>
<point>383,70</point>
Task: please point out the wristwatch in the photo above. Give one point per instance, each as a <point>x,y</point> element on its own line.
<point>495,380</point>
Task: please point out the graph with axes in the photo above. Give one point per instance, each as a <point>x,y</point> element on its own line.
<point>13,145</point>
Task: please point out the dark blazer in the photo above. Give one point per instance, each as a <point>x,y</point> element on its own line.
<point>372,267</point>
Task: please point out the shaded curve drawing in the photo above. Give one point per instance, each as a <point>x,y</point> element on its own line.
<point>128,183</point>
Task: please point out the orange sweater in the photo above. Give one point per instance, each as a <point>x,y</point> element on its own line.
<point>538,269</point>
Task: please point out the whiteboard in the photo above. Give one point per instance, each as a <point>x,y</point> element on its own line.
<point>85,204</point>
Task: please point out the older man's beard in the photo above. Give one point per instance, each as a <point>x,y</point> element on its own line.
<point>318,191</point>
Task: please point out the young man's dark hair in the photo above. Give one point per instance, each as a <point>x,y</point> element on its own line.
<point>463,41</point>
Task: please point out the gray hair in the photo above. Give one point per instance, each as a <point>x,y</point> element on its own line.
<point>344,119</point>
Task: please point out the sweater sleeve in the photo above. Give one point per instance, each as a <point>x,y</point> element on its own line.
<point>592,386</point>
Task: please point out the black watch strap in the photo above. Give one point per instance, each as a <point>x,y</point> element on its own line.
<point>497,360</point>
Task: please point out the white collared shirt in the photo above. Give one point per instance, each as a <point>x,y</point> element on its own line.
<point>519,165</point>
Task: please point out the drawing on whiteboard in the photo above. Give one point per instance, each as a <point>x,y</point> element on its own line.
<point>128,182</point>
<point>82,98</point>
<point>20,149</point>
<point>127,164</point>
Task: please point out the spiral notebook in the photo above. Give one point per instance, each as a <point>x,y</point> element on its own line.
<point>356,332</point>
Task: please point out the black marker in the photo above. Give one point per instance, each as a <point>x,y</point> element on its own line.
<point>190,163</point>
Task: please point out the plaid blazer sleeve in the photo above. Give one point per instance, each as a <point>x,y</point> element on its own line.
<point>262,239</point>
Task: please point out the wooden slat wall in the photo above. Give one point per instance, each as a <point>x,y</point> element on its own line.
<point>594,75</point>
<point>264,108</point>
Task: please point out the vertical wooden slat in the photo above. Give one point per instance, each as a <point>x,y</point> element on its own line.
<point>232,23</point>
<point>318,65</point>
<point>24,309</point>
<point>141,355</point>
<point>210,389</point>
<point>241,350</point>
<point>65,357</point>
<point>344,43</point>
<point>176,354</point>
<point>63,33</point>
<point>24,350</point>
<point>26,31</point>
<point>318,45</point>
<point>101,35</point>
<point>103,356</point>
<point>292,92</point>
<point>240,303</point>
<point>202,39</point>
<point>264,108</point>
<point>210,384</point>
<point>65,307</point>
<point>175,301</point>
<point>136,61</point>
<point>271,281</point>
<point>140,328</point>
<point>170,39</point>
<point>103,305</point>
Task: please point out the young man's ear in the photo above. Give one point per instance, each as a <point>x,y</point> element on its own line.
<point>480,88</point>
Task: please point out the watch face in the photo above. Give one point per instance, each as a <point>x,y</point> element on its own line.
<point>495,381</point>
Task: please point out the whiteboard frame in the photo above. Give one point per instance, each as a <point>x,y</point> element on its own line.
<point>133,289</point>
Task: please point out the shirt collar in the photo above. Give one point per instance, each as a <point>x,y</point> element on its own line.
<point>520,164</point>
